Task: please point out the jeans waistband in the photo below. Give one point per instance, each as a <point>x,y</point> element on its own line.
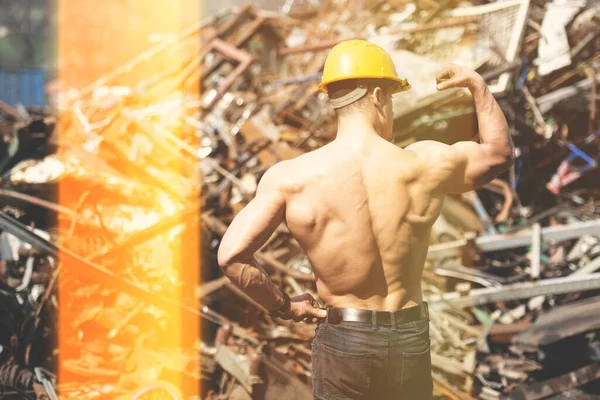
<point>336,315</point>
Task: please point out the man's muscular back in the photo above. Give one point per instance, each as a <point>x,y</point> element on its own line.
<point>362,212</point>
<point>362,208</point>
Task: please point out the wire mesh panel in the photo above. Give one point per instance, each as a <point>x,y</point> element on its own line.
<point>488,34</point>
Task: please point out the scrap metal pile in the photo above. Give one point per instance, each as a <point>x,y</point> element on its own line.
<point>512,268</point>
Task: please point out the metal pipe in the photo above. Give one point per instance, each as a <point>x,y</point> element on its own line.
<point>518,291</point>
<point>503,241</point>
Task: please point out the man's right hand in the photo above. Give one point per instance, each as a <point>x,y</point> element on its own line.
<point>456,76</point>
<point>304,308</point>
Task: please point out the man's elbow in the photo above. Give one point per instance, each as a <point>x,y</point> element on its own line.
<point>228,257</point>
<point>225,258</point>
<point>501,158</point>
<point>506,158</point>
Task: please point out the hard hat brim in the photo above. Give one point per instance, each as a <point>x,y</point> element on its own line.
<point>403,84</point>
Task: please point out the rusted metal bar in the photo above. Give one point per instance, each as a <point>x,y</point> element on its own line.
<point>500,186</point>
<point>445,23</point>
<point>248,33</point>
<point>9,110</point>
<point>208,288</point>
<point>38,202</point>
<point>244,59</point>
<point>573,72</point>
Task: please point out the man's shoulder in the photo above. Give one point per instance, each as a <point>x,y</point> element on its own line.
<point>291,175</point>
<point>433,153</point>
<point>427,147</point>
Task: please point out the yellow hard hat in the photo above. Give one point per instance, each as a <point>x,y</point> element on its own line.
<point>360,59</point>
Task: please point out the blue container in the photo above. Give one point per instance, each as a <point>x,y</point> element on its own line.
<point>25,86</point>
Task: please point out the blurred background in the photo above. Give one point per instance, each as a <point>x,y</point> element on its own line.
<point>132,133</point>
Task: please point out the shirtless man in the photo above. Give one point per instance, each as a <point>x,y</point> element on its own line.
<point>362,210</point>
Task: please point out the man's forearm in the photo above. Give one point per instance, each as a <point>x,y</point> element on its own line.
<point>250,276</point>
<point>493,129</point>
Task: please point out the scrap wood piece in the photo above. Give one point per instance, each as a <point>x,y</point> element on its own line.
<point>447,365</point>
<point>556,385</point>
<point>505,333</point>
<point>238,365</point>
<point>469,363</point>
<point>449,390</point>
<point>455,322</point>
<point>436,10</point>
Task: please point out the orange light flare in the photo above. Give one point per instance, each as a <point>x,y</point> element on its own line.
<point>124,174</point>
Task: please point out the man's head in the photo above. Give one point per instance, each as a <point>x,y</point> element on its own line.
<point>360,79</point>
<point>369,98</point>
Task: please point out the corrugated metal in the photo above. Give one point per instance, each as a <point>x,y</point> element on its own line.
<point>25,86</point>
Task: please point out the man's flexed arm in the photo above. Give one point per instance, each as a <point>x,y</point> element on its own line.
<point>248,232</point>
<point>468,164</point>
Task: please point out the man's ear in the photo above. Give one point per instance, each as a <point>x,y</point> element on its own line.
<point>378,97</point>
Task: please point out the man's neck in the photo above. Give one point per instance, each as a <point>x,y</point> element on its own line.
<point>356,126</point>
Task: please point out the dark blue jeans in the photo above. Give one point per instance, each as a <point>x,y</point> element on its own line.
<point>352,360</point>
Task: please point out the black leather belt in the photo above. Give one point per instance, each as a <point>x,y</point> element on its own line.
<point>336,315</point>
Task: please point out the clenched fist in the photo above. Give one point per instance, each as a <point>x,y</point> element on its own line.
<point>304,308</point>
<point>456,76</point>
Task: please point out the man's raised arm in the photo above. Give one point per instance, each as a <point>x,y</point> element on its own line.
<point>467,165</point>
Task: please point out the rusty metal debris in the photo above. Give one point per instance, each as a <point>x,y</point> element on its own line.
<point>509,265</point>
